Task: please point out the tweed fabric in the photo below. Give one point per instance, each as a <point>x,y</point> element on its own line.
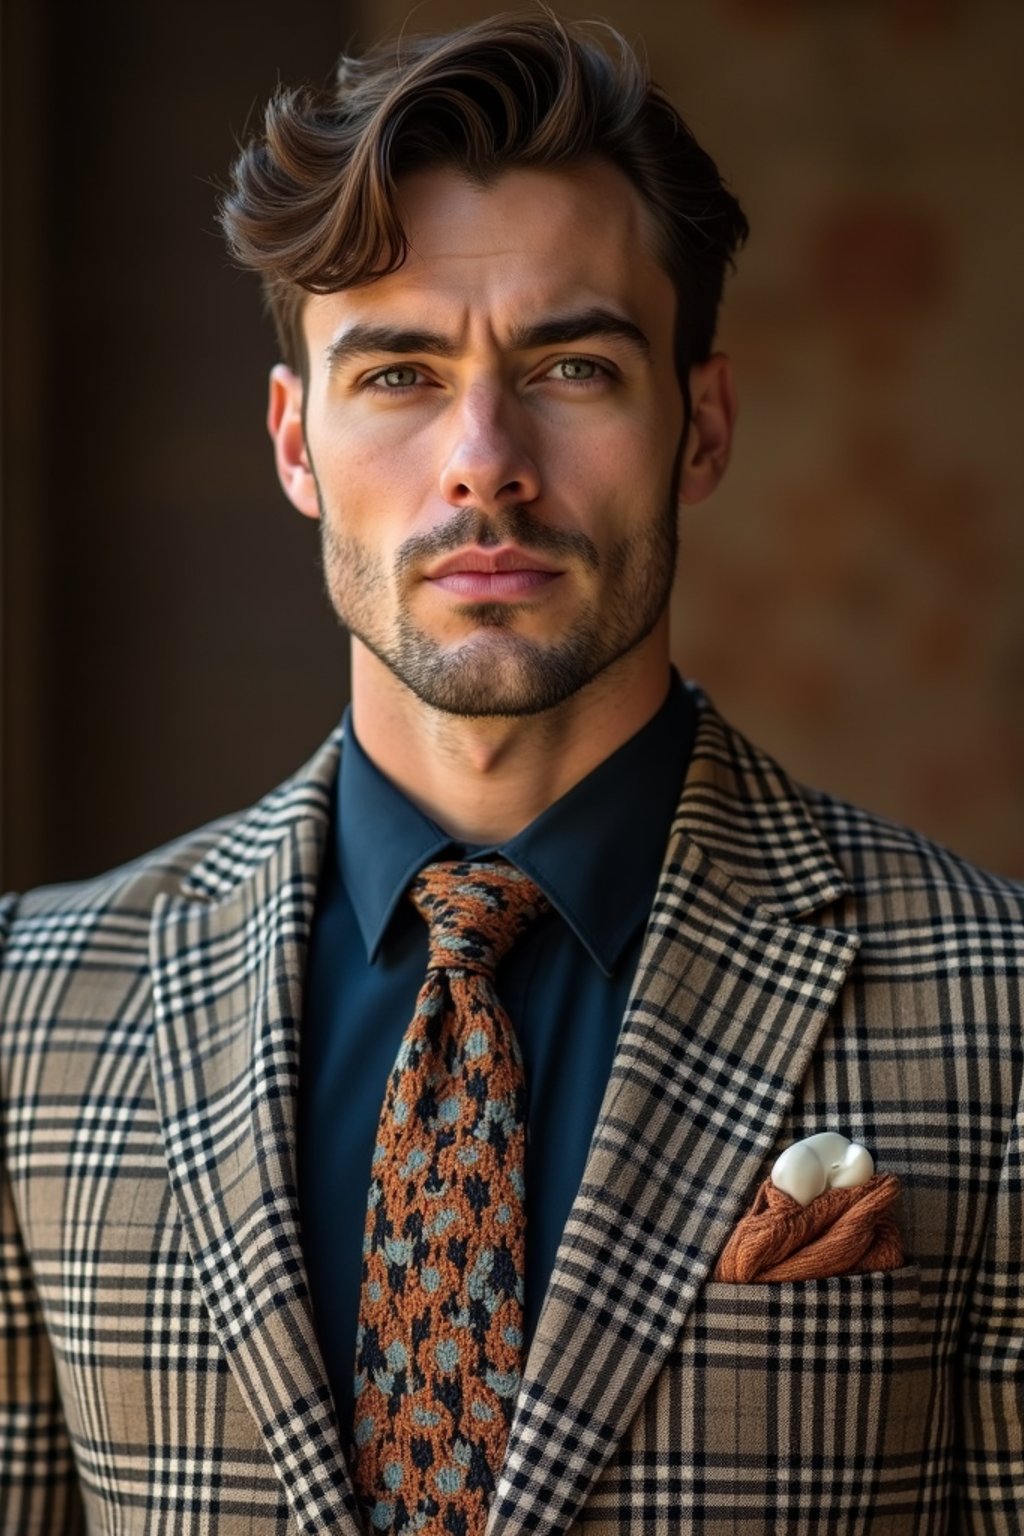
<point>806,966</point>
<point>440,1339</point>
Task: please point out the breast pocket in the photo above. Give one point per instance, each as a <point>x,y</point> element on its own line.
<point>796,1407</point>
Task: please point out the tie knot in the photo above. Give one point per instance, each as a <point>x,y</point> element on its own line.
<point>475,912</point>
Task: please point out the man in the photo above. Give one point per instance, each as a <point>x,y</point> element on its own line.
<point>276,1259</point>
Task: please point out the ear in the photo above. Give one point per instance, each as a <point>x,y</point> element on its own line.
<point>284,423</point>
<point>713,410</point>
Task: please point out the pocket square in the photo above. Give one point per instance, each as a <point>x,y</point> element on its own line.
<point>843,1223</point>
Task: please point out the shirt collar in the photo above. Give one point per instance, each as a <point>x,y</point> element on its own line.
<point>596,853</point>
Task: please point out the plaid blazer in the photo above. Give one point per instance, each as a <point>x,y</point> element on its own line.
<point>806,967</point>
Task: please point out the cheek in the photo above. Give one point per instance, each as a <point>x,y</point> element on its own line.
<point>621,464</point>
<point>370,485</point>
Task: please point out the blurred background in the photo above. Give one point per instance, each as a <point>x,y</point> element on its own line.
<point>851,597</point>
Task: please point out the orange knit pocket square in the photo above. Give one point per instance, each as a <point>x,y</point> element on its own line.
<point>839,1232</point>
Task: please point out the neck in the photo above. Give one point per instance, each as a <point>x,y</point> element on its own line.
<point>484,779</point>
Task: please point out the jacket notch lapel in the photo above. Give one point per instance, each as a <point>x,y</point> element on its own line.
<point>730,997</point>
<point>227,958</point>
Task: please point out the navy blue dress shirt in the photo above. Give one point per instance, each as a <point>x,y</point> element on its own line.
<point>596,854</point>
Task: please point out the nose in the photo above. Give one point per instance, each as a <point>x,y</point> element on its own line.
<point>488,462</point>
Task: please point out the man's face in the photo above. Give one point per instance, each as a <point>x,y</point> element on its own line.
<point>493,440</point>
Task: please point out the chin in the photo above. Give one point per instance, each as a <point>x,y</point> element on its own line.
<point>498,675</point>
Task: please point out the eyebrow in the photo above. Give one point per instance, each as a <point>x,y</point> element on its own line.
<point>556,330</point>
<point>578,325</point>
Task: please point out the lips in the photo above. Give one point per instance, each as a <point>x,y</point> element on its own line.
<point>490,561</point>
<point>492,574</point>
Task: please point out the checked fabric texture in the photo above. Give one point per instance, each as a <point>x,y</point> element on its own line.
<point>806,964</point>
<point>439,1348</point>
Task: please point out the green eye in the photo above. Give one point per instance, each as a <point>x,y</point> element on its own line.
<point>399,377</point>
<point>577,370</point>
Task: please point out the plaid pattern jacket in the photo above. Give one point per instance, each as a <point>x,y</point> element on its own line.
<point>806,967</point>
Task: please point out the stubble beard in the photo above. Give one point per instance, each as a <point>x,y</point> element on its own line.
<point>497,672</point>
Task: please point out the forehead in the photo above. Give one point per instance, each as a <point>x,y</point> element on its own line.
<point>503,253</point>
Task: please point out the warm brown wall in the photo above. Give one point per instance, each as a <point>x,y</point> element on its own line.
<point>851,597</point>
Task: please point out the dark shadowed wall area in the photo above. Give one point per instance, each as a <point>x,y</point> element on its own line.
<point>852,595</point>
<point>167,652</point>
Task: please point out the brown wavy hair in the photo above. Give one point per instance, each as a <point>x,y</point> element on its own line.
<point>311,203</point>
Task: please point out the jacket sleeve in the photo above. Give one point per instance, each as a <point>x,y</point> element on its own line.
<point>991,1383</point>
<point>39,1492</point>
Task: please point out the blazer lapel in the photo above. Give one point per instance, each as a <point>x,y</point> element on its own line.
<point>729,1000</point>
<point>227,958</point>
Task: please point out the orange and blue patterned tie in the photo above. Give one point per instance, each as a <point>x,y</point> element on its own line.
<point>439,1350</point>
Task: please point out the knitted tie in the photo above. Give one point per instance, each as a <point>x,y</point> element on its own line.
<point>440,1342</point>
